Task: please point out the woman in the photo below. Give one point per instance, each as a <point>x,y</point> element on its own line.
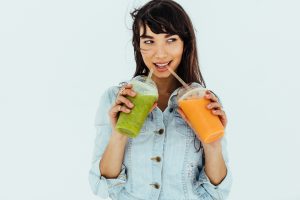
<point>166,161</point>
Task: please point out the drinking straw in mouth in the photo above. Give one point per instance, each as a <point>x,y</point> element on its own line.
<point>178,78</point>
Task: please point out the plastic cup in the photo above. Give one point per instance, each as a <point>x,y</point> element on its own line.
<point>193,104</point>
<point>130,124</point>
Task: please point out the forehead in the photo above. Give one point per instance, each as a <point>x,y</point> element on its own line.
<point>148,31</point>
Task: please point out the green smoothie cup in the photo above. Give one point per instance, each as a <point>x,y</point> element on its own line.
<point>130,124</point>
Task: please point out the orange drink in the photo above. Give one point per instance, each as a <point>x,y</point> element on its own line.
<point>207,126</point>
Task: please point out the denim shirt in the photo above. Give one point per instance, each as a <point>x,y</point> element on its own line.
<point>160,164</point>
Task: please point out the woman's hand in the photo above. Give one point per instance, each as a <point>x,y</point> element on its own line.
<point>122,104</point>
<point>216,107</point>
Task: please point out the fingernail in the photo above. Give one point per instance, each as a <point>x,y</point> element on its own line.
<point>208,106</point>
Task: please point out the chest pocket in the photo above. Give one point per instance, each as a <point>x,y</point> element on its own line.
<point>181,126</point>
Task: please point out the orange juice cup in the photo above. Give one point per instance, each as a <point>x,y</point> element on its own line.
<point>207,126</point>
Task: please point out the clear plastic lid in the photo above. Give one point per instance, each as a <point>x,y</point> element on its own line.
<point>144,86</point>
<point>193,92</point>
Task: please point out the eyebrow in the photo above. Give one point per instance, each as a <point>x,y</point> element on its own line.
<point>150,37</point>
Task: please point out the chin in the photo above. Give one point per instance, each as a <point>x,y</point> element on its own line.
<point>162,75</point>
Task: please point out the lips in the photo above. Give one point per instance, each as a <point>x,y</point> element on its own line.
<point>162,66</point>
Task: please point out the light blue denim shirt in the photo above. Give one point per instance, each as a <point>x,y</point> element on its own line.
<point>160,164</point>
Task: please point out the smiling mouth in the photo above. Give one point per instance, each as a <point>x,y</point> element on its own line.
<point>162,65</point>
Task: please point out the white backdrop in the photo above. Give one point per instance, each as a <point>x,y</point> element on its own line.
<point>57,57</point>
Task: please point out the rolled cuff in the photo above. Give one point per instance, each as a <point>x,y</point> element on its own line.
<point>218,191</point>
<point>105,187</point>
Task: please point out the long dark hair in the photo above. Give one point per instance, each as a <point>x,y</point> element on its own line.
<point>167,16</point>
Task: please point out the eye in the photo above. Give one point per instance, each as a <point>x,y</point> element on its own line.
<point>172,39</point>
<point>148,41</point>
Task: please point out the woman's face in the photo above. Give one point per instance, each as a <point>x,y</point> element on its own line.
<point>160,51</point>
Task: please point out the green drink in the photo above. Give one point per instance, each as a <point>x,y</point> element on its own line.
<point>130,124</point>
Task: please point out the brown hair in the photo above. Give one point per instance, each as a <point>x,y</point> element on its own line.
<point>167,16</point>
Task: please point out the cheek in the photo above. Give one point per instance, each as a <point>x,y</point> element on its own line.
<point>177,53</point>
<point>147,53</point>
<point>146,57</point>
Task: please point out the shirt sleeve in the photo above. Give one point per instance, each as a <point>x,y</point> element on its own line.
<point>207,190</point>
<point>101,186</point>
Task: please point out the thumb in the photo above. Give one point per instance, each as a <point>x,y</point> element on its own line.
<point>153,107</point>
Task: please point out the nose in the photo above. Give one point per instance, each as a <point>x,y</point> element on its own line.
<point>160,52</point>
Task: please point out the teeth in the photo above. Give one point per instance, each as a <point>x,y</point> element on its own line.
<point>161,65</point>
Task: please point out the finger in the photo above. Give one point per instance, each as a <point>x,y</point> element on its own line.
<point>120,108</point>
<point>153,107</point>
<point>124,86</point>
<point>218,112</point>
<point>211,96</point>
<point>222,116</point>
<point>129,92</point>
<point>126,91</point>
<point>121,99</point>
<point>128,85</point>
<point>214,105</point>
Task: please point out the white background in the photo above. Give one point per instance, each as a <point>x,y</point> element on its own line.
<point>57,57</point>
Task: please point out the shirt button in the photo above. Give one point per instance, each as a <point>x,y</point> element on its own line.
<point>155,185</point>
<point>161,131</point>
<point>171,109</point>
<point>157,159</point>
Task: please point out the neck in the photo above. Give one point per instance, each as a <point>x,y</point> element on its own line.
<point>167,85</point>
